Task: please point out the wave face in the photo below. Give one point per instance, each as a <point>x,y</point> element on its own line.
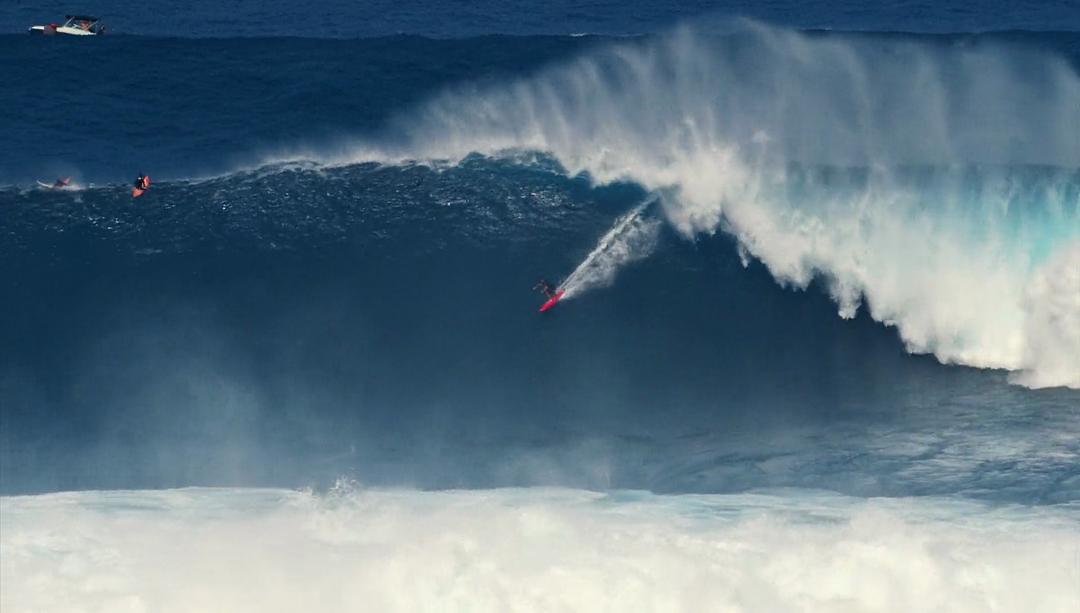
<point>296,323</point>
<point>363,309</point>
<point>934,184</point>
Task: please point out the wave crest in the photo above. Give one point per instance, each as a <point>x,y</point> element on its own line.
<point>928,180</point>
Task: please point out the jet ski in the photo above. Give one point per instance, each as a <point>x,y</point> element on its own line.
<point>76,25</point>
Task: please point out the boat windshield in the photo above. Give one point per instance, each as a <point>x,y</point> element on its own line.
<point>83,23</point>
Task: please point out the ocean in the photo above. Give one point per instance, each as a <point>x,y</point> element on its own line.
<point>819,347</point>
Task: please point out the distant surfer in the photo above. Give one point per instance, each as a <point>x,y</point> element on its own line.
<point>142,183</point>
<point>552,293</point>
<point>547,288</point>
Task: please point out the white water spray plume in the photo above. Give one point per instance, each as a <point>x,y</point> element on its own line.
<point>936,184</point>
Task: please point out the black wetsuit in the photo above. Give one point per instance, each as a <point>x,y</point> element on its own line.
<point>547,288</point>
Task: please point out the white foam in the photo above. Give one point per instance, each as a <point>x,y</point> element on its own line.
<point>529,550</point>
<point>1052,329</point>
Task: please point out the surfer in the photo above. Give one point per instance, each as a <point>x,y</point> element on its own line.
<point>547,288</point>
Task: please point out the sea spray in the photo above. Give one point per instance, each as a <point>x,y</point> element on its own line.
<point>922,181</point>
<point>632,237</point>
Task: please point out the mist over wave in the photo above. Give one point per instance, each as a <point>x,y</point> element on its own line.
<point>932,183</point>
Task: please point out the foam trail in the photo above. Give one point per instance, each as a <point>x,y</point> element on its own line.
<point>632,237</point>
<point>928,183</point>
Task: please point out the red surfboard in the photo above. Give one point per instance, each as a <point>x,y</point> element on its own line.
<point>550,303</point>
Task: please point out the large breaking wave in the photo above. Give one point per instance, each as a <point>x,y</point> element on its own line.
<point>935,183</point>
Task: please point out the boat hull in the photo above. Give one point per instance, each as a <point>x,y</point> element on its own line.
<point>51,30</point>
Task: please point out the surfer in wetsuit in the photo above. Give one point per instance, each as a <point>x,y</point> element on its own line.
<point>141,182</point>
<point>61,183</point>
<point>547,288</point>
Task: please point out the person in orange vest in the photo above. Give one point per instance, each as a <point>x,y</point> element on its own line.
<point>142,182</point>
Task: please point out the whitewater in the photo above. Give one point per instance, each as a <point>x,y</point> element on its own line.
<point>529,550</point>
<point>936,186</point>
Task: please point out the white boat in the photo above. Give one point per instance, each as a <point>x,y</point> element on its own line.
<point>76,25</point>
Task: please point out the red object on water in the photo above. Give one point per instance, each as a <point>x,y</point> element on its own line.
<point>138,191</point>
<point>550,303</point>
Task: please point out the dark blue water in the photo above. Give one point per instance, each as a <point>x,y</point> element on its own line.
<point>287,323</point>
<point>455,19</point>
